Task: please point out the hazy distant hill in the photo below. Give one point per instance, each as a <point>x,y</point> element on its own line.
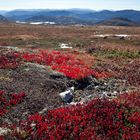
<point>118,22</point>
<point>59,20</point>
<point>2,12</point>
<point>25,14</point>
<point>20,15</point>
<point>3,19</point>
<point>70,16</point>
<point>106,14</point>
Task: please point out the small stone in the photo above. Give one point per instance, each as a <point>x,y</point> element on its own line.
<point>4,131</point>
<point>115,93</point>
<point>109,94</point>
<point>96,87</point>
<point>105,83</point>
<point>33,125</point>
<point>43,110</point>
<point>73,103</point>
<point>90,87</point>
<point>67,96</point>
<point>104,95</point>
<point>89,96</point>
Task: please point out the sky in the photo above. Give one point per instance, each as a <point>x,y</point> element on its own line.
<point>67,4</point>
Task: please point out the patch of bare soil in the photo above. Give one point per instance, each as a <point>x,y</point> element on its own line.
<point>21,37</point>
<point>41,85</point>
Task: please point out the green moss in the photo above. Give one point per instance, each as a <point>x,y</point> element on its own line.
<point>116,53</point>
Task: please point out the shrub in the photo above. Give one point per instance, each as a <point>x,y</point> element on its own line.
<point>99,119</point>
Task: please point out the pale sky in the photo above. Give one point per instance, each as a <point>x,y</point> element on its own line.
<point>67,4</point>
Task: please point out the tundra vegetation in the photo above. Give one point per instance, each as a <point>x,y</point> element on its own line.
<point>104,71</point>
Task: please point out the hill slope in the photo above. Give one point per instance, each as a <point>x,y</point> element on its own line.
<point>59,20</point>
<point>117,22</point>
<point>3,19</point>
<point>80,15</point>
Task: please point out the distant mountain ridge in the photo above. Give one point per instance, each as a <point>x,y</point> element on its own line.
<point>75,16</point>
<point>3,19</point>
<point>118,22</point>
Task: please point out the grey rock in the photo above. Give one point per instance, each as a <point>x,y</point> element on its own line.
<point>67,96</point>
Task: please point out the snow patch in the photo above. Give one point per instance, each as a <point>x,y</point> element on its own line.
<point>44,23</point>
<point>64,46</point>
<point>113,35</point>
<point>20,22</point>
<point>36,23</point>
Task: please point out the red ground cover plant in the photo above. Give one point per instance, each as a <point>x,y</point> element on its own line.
<point>130,99</point>
<point>1,138</point>
<point>131,72</point>
<point>124,69</point>
<point>99,119</point>
<point>9,100</point>
<point>72,64</point>
<point>10,60</point>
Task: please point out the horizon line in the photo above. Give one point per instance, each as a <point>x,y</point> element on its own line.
<point>67,9</point>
